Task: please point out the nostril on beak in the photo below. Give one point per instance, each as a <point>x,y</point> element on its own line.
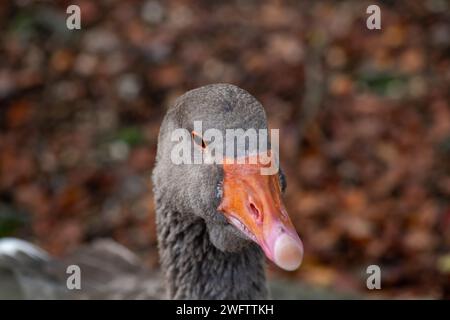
<point>255,212</point>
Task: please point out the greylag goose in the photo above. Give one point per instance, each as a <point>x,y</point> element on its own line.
<point>215,222</point>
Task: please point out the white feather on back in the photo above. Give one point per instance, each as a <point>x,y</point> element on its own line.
<point>12,247</point>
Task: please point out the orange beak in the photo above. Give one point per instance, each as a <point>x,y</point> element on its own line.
<point>252,203</point>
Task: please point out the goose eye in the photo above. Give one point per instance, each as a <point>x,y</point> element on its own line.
<point>283,182</point>
<point>198,140</point>
<point>219,190</point>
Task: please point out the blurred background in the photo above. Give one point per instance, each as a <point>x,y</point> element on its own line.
<point>364,122</point>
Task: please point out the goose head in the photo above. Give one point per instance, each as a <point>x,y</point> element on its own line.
<point>239,205</point>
